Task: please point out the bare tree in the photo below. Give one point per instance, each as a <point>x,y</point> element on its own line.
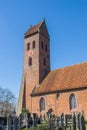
<point>1,94</point>
<point>7,102</point>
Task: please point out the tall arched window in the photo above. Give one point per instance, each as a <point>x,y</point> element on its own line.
<point>33,44</point>
<point>42,104</point>
<point>72,100</point>
<point>28,46</point>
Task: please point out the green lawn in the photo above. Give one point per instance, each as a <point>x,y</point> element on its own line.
<point>45,125</point>
<point>41,127</point>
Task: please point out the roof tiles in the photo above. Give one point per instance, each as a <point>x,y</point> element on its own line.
<point>67,78</point>
<point>33,29</point>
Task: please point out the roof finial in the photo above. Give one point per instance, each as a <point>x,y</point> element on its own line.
<point>30,26</point>
<point>43,20</point>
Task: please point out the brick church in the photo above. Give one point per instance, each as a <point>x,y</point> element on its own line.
<point>58,91</point>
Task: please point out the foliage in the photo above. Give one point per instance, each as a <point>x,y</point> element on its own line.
<point>24,110</point>
<point>86,121</point>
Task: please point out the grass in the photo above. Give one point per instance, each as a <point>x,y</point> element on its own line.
<point>39,127</point>
<point>42,126</point>
<point>45,125</point>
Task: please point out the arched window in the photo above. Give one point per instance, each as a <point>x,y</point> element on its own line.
<point>58,96</point>
<point>72,100</point>
<point>33,44</point>
<point>30,61</point>
<point>28,46</point>
<point>42,104</point>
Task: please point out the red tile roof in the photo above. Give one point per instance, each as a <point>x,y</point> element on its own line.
<point>33,29</point>
<point>67,78</point>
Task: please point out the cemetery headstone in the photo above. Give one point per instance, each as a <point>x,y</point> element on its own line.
<point>83,123</point>
<point>56,122</point>
<point>78,121</point>
<point>65,120</point>
<point>20,121</point>
<point>9,122</point>
<point>27,120</point>
<point>74,122</point>
<point>47,116</point>
<point>2,125</point>
<point>34,120</point>
<point>15,123</point>
<point>62,119</point>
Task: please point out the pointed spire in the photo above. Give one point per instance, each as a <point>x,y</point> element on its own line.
<point>43,20</point>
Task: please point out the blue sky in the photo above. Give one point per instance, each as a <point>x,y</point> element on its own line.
<point>67,25</point>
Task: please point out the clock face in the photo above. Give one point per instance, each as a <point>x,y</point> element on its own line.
<point>30,53</point>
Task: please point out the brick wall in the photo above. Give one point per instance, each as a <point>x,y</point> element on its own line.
<point>62,105</point>
<point>37,71</point>
<point>31,72</point>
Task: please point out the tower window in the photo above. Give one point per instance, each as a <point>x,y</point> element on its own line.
<point>46,47</point>
<point>30,61</point>
<point>42,45</point>
<point>28,46</point>
<point>42,104</point>
<point>33,44</point>
<point>44,61</point>
<point>72,101</point>
<point>58,95</point>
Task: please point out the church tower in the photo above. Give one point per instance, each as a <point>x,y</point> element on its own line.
<point>36,63</point>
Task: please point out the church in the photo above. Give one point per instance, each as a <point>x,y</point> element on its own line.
<point>42,90</point>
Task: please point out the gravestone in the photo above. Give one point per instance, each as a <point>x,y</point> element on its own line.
<point>15,123</point>
<point>20,121</point>
<point>47,116</point>
<point>83,123</point>
<point>65,121</point>
<point>62,119</point>
<point>34,120</point>
<point>9,122</point>
<point>2,125</point>
<point>27,120</point>
<point>78,121</point>
<point>68,119</point>
<point>56,123</point>
<point>74,122</point>
<point>31,121</point>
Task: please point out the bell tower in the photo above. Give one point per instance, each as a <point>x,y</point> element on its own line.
<point>36,62</point>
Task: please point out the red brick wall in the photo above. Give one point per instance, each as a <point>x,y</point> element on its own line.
<point>35,73</point>
<point>44,54</point>
<point>62,105</point>
<point>31,72</point>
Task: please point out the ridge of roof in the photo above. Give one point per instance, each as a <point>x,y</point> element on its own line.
<point>70,66</point>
